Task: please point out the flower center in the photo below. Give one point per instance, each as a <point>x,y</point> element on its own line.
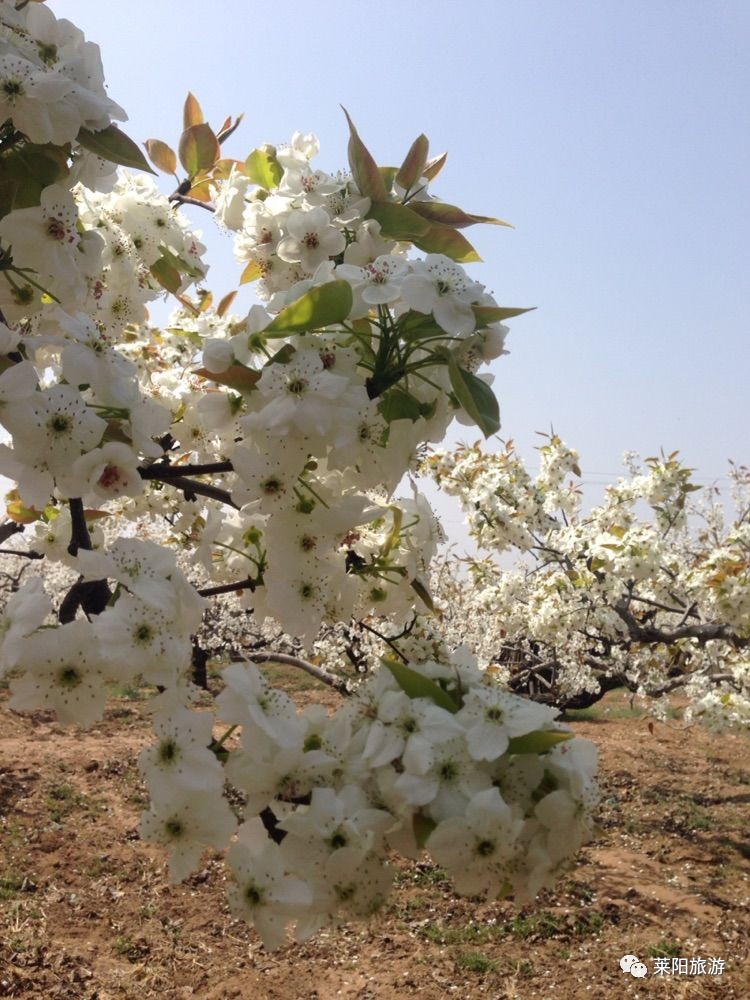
<point>69,677</point>
<point>110,477</point>
<point>253,895</point>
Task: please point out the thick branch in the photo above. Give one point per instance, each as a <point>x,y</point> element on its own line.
<point>91,595</point>
<point>164,471</point>
<point>192,488</point>
<point>675,682</point>
<point>9,529</point>
<point>704,633</point>
<point>80,539</point>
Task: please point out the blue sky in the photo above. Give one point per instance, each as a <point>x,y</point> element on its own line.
<point>613,135</point>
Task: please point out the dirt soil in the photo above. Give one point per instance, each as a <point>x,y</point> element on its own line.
<point>86,911</point>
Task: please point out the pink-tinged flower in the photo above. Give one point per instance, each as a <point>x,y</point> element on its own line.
<point>108,472</point>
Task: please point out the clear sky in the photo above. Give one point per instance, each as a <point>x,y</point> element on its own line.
<point>613,135</point>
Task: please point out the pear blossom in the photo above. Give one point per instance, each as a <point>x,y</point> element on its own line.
<point>439,286</point>
<point>311,240</point>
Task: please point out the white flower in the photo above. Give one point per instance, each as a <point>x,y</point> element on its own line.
<point>304,396</point>
<point>108,472</point>
<point>493,717</point>
<point>439,286</point>
<point>64,670</point>
<point>181,757</point>
<point>248,700</point>
<point>24,612</point>
<point>263,892</point>
<point>376,283</point>
<point>55,426</point>
<point>477,848</point>
<point>311,240</point>
<point>187,820</point>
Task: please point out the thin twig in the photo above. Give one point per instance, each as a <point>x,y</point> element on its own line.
<point>229,588</point>
<point>295,661</point>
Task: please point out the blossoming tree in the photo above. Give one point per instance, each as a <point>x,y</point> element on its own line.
<point>645,591</point>
<point>271,444</point>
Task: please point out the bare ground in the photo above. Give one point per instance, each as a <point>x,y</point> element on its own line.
<point>86,911</point>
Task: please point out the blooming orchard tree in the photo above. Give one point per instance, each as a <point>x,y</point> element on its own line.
<point>271,445</point>
<point>644,591</point>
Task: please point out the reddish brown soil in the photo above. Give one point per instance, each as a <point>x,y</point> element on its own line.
<point>86,911</point>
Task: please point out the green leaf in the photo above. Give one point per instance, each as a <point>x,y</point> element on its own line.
<point>443,239</point>
<point>451,215</point>
<point>166,274</point>
<point>397,221</point>
<point>398,404</point>
<point>252,272</point>
<point>322,306</point>
<point>161,155</point>
<point>422,826</point>
<point>497,314</point>
<point>538,742</point>
<point>113,145</point>
<point>415,161</point>
<point>199,149</point>
<point>423,593</point>
<point>236,377</point>
<point>388,174</point>
<point>26,170</point>
<point>179,263</point>
<point>476,397</point>
<point>364,168</point>
<point>17,511</point>
<point>263,168</point>
<point>416,685</point>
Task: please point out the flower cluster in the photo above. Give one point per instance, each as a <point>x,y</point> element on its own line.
<point>270,445</point>
<point>51,78</point>
<point>655,603</point>
<point>434,756</point>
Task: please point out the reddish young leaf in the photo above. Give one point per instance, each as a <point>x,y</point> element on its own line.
<point>199,149</point>
<point>414,163</point>
<point>161,155</point>
<point>364,168</point>
<point>434,166</point>
<point>451,215</point>
<point>192,114</point>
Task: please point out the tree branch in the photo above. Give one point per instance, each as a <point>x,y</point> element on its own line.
<point>229,588</point>
<point>164,471</point>
<point>192,488</point>
<point>91,595</point>
<point>704,633</point>
<point>9,529</point>
<point>294,661</point>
